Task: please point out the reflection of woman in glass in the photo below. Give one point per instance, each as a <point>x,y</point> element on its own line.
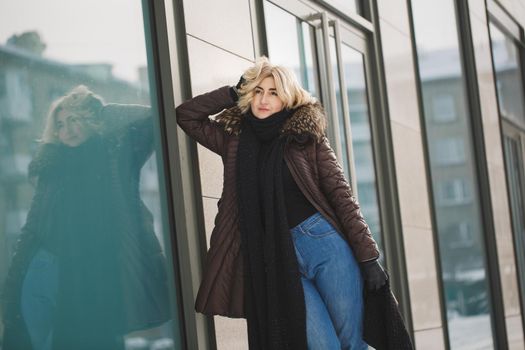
<point>88,267</point>
<point>290,248</point>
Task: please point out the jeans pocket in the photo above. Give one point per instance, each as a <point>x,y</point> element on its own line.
<point>320,228</point>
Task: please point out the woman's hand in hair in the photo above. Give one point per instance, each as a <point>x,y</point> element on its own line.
<point>234,90</point>
<point>240,82</point>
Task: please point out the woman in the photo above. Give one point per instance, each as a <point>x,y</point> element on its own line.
<point>288,235</point>
<point>88,267</point>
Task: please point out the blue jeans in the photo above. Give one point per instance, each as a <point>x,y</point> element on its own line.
<point>333,286</point>
<point>38,299</point>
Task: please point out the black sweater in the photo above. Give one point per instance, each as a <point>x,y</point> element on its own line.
<point>298,208</point>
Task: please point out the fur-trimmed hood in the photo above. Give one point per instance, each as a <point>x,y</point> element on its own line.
<point>307,120</point>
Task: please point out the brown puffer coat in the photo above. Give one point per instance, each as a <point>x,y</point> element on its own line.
<point>312,164</point>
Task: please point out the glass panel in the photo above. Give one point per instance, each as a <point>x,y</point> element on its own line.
<point>515,180</point>
<point>85,252</point>
<point>291,44</point>
<point>509,79</point>
<point>356,89</point>
<point>453,173</point>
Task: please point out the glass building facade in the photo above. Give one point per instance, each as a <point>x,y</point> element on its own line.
<point>454,182</point>
<point>107,207</point>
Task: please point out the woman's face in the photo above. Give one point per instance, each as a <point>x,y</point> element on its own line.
<point>265,100</point>
<point>70,129</point>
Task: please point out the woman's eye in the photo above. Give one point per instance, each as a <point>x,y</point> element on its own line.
<point>274,93</point>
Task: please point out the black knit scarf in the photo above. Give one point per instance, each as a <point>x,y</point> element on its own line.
<point>275,309</point>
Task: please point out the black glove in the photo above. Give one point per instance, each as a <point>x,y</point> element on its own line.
<point>234,90</point>
<point>374,275</point>
<point>240,82</point>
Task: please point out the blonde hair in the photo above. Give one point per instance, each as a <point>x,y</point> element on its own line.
<point>286,84</point>
<point>80,101</point>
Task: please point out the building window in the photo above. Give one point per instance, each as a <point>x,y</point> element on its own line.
<point>454,174</point>
<point>444,108</point>
<point>18,99</point>
<point>452,192</point>
<point>15,165</point>
<point>461,235</point>
<point>449,151</point>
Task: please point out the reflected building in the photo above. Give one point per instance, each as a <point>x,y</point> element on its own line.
<point>460,234</point>
<point>28,84</point>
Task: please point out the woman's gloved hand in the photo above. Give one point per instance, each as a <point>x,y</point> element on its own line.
<point>234,90</point>
<point>240,82</point>
<point>374,275</point>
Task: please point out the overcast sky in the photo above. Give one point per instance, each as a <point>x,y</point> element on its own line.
<point>79,31</point>
<point>435,24</point>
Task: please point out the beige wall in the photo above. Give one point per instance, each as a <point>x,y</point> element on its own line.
<point>220,47</point>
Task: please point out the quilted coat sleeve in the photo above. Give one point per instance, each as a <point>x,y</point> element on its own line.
<point>338,192</point>
<point>135,122</point>
<point>193,118</point>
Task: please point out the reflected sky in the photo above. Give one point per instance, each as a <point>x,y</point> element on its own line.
<point>73,37</point>
<point>282,24</point>
<point>433,32</point>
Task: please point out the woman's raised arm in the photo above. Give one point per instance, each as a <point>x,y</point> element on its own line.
<point>193,118</point>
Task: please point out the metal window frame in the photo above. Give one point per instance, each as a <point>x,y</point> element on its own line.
<point>507,131</point>
<point>385,167</point>
<point>506,21</point>
<point>334,134</point>
<point>480,155</point>
<point>503,21</point>
<point>345,104</point>
<point>181,170</point>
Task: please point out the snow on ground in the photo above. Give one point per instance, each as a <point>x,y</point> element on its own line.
<point>470,332</point>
